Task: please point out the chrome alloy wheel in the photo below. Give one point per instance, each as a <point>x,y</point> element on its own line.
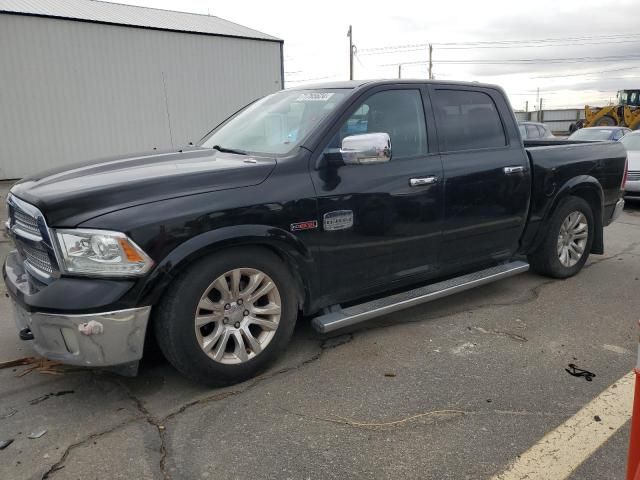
<point>572,239</point>
<point>238,315</point>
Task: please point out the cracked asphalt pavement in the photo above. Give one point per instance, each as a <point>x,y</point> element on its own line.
<point>454,389</point>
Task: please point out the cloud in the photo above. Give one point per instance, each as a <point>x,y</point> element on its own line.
<point>316,43</point>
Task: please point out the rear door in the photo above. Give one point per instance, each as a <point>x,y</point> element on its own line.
<point>486,175</point>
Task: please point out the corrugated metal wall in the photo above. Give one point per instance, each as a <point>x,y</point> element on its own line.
<point>72,91</point>
<point>558,121</point>
<point>522,116</point>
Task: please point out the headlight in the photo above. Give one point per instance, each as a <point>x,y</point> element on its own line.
<point>100,252</point>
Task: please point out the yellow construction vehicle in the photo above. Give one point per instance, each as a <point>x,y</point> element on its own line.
<point>625,113</point>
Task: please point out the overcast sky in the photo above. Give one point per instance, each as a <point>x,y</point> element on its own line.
<point>316,45</point>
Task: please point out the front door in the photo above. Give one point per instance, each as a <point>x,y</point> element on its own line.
<point>487,180</point>
<point>381,222</point>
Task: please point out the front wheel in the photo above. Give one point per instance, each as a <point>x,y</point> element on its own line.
<point>567,242</point>
<point>228,316</point>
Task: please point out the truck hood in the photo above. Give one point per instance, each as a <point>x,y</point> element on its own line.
<point>72,195</point>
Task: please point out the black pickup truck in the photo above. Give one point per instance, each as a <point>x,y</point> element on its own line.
<point>339,202</point>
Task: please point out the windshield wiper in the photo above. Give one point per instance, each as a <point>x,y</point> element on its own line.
<point>229,150</point>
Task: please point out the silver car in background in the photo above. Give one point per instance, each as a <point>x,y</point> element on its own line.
<point>631,141</point>
<point>535,131</point>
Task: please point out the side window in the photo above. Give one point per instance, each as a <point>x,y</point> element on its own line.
<point>523,131</point>
<point>467,120</point>
<point>396,112</point>
<point>542,130</point>
<point>532,132</point>
<point>357,123</point>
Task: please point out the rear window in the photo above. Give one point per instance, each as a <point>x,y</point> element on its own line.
<point>533,132</point>
<point>467,120</point>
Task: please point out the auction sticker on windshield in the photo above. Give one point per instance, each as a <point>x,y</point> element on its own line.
<point>314,97</point>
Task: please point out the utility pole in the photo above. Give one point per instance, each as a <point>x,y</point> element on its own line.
<point>350,35</point>
<point>399,70</point>
<point>526,106</point>
<point>430,62</point>
<point>540,116</point>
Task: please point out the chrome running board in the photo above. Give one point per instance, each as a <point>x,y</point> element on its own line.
<point>337,317</point>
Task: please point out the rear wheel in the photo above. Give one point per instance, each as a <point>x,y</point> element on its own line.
<point>606,121</point>
<point>567,242</point>
<point>226,318</point>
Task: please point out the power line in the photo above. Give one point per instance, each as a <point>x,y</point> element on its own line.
<point>591,40</point>
<point>586,73</point>
<point>525,94</point>
<point>526,61</point>
<point>312,79</point>
<point>543,45</point>
<point>393,47</point>
<point>542,40</point>
<point>418,47</point>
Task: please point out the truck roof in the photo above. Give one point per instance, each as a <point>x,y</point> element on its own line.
<point>353,84</point>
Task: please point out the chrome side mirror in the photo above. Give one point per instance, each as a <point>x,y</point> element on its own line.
<point>366,149</point>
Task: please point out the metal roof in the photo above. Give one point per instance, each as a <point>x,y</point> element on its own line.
<point>134,16</point>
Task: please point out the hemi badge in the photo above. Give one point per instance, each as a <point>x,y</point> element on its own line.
<point>308,225</point>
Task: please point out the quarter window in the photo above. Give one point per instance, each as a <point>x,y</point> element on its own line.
<point>467,120</point>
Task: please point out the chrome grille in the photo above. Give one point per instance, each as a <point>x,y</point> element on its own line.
<point>633,175</point>
<point>38,259</point>
<point>25,222</point>
<point>28,228</point>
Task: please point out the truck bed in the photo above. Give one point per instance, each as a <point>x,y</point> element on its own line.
<point>559,164</point>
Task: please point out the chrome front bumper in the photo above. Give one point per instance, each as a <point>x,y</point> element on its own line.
<point>90,340</point>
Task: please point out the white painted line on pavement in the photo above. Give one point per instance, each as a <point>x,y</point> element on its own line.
<point>564,449</point>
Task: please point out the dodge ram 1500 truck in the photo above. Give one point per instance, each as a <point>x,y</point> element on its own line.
<point>338,202</point>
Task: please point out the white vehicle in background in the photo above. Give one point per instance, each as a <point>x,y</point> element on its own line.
<point>631,142</point>
<point>535,131</point>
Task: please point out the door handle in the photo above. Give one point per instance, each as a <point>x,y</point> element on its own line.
<point>421,181</point>
<point>512,170</point>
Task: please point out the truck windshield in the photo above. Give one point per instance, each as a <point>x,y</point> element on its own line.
<point>275,124</point>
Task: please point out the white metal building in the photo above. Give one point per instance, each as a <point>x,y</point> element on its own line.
<point>558,120</point>
<point>81,79</point>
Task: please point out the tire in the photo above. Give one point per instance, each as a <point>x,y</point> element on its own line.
<point>606,121</point>
<point>548,259</point>
<point>184,344</point>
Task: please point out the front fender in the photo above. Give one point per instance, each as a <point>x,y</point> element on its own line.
<point>289,247</point>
